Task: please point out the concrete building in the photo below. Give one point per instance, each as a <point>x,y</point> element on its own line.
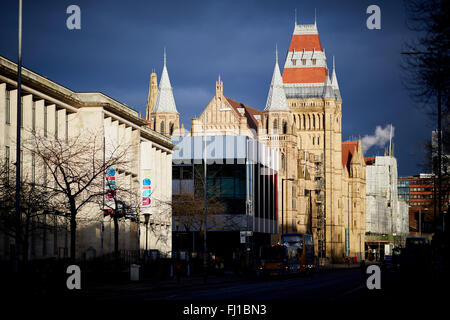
<point>386,213</point>
<point>63,115</point>
<point>323,178</point>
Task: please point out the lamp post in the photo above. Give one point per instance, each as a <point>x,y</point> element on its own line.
<point>147,218</point>
<point>18,220</point>
<point>282,202</point>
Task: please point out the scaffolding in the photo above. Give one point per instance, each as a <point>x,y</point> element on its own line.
<point>319,217</point>
<point>385,214</point>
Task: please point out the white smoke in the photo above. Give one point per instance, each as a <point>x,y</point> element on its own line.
<point>379,139</point>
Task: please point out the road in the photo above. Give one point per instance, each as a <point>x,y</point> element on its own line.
<point>330,285</point>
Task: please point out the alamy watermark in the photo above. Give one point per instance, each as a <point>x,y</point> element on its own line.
<point>74,280</point>
<point>374,280</point>
<point>374,20</point>
<point>73,21</point>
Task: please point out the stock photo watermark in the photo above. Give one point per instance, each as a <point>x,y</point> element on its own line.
<point>74,280</point>
<point>374,280</point>
<point>373,22</point>
<point>73,21</point>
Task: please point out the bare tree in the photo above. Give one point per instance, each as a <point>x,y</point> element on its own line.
<point>426,72</point>
<point>426,68</point>
<point>36,204</point>
<point>77,167</point>
<point>124,204</point>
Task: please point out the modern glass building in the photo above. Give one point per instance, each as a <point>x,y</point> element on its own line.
<point>241,189</point>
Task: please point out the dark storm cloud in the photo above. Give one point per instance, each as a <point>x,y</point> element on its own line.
<point>120,42</point>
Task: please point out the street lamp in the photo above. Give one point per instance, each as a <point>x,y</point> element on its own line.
<point>282,202</point>
<point>147,218</point>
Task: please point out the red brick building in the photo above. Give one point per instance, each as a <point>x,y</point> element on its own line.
<point>419,192</point>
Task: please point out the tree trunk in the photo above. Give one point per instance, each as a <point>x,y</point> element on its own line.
<point>26,240</point>
<point>73,230</point>
<point>116,235</point>
<point>73,236</point>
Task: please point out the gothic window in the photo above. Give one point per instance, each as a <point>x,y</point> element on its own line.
<point>275,126</point>
<point>314,140</point>
<point>314,121</point>
<point>162,127</point>
<point>267,124</point>
<point>284,127</point>
<point>304,122</point>
<point>282,161</point>
<point>318,141</point>
<point>171,128</point>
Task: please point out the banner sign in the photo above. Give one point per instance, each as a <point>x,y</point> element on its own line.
<point>110,183</point>
<point>110,188</point>
<point>146,189</point>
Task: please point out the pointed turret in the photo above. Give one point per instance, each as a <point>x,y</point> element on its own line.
<point>335,84</point>
<point>165,117</point>
<point>165,101</point>
<point>152,94</point>
<point>276,99</point>
<point>328,88</point>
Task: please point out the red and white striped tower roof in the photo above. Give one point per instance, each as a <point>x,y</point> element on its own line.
<point>305,72</point>
<point>306,60</point>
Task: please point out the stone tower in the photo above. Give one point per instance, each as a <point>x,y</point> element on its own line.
<point>279,133</point>
<point>165,117</point>
<point>315,102</point>
<point>152,94</point>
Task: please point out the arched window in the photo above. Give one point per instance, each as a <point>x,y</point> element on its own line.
<point>283,165</point>
<point>284,127</point>
<point>314,121</point>
<point>304,122</point>
<point>275,126</point>
<point>314,140</point>
<point>171,128</point>
<point>267,124</point>
<point>161,127</point>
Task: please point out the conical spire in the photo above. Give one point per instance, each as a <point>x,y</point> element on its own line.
<point>334,83</point>
<point>276,99</point>
<point>165,101</point>
<point>327,88</point>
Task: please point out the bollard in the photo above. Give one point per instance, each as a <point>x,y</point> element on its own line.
<point>134,272</point>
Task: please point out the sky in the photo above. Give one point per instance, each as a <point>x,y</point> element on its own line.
<point>121,42</point>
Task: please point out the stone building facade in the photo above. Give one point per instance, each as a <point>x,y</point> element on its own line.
<point>322,178</point>
<point>61,114</point>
